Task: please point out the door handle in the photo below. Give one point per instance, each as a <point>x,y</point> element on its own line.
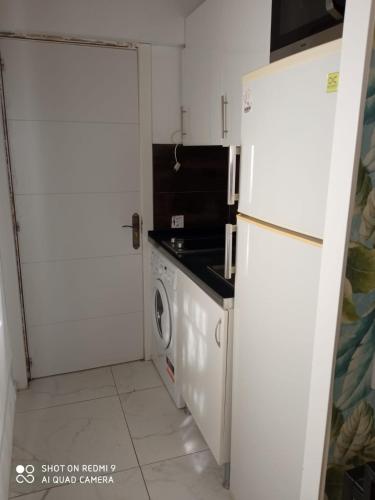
<point>217,331</point>
<point>136,226</point>
<point>232,196</point>
<point>228,268</point>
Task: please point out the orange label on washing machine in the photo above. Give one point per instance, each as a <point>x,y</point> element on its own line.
<point>170,369</point>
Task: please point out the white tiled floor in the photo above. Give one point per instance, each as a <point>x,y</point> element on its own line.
<point>121,415</point>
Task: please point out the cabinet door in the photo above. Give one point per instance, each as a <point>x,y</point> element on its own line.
<point>201,96</point>
<point>246,26</point>
<point>245,47</point>
<point>202,75</point>
<point>203,340</point>
<point>203,28</point>
<point>235,64</point>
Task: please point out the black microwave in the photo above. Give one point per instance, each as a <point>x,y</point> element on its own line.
<point>301,24</point>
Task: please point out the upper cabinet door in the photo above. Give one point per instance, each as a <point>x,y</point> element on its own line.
<point>201,91</point>
<point>225,39</point>
<point>203,26</point>
<point>245,46</point>
<point>202,76</point>
<point>235,65</point>
<point>287,130</point>
<point>246,26</point>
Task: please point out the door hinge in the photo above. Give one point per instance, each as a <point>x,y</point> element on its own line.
<point>18,227</point>
<point>2,65</point>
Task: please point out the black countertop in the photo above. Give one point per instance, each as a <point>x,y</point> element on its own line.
<point>195,264</point>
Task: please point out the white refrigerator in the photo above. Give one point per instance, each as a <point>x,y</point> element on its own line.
<point>287,129</point>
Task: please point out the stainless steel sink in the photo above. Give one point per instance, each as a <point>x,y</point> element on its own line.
<point>218,270</point>
<point>202,244</point>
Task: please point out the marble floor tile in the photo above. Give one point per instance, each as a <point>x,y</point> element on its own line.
<point>69,388</point>
<point>194,477</point>
<point>158,429</point>
<point>127,485</point>
<point>90,432</point>
<point>136,376</point>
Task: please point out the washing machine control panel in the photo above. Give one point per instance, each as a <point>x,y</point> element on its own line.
<point>164,269</point>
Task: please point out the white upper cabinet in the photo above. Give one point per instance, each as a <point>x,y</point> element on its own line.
<point>202,75</point>
<point>203,26</point>
<point>247,26</point>
<point>225,39</point>
<point>201,96</point>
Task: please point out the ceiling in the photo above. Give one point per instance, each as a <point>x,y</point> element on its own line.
<point>189,5</point>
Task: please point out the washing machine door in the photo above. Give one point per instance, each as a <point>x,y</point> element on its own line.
<point>162,314</point>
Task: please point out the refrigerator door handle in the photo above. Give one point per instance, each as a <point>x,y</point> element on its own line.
<point>224,127</point>
<point>217,333</point>
<point>232,196</point>
<point>228,268</point>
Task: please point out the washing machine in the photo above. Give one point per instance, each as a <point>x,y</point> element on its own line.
<point>164,320</point>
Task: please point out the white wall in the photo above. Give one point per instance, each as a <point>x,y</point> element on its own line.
<point>154,21</point>
<point>7,398</point>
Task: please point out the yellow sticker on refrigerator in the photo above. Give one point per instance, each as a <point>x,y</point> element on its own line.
<point>333,81</point>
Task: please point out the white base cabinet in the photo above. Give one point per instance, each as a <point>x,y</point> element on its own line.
<point>205,340</point>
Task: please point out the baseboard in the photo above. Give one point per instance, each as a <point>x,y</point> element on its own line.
<point>7,442</point>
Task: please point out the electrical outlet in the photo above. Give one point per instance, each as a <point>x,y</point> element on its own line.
<point>177,221</point>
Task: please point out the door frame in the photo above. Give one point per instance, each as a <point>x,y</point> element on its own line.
<point>354,72</point>
<point>21,355</point>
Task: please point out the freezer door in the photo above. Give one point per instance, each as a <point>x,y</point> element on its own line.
<point>275,306</point>
<point>287,129</point>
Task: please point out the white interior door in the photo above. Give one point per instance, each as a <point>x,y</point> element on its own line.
<point>74,137</point>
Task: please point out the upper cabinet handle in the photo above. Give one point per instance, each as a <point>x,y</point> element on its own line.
<point>232,197</point>
<point>217,333</point>
<point>183,133</point>
<point>224,124</point>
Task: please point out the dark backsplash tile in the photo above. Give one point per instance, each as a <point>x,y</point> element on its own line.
<point>198,190</point>
<point>203,168</point>
<point>199,209</point>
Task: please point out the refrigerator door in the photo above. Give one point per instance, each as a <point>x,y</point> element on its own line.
<point>287,128</point>
<point>275,306</point>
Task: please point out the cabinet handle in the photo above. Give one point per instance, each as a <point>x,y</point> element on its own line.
<point>224,127</point>
<point>183,133</point>
<point>228,268</point>
<point>217,331</point>
<point>232,197</point>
